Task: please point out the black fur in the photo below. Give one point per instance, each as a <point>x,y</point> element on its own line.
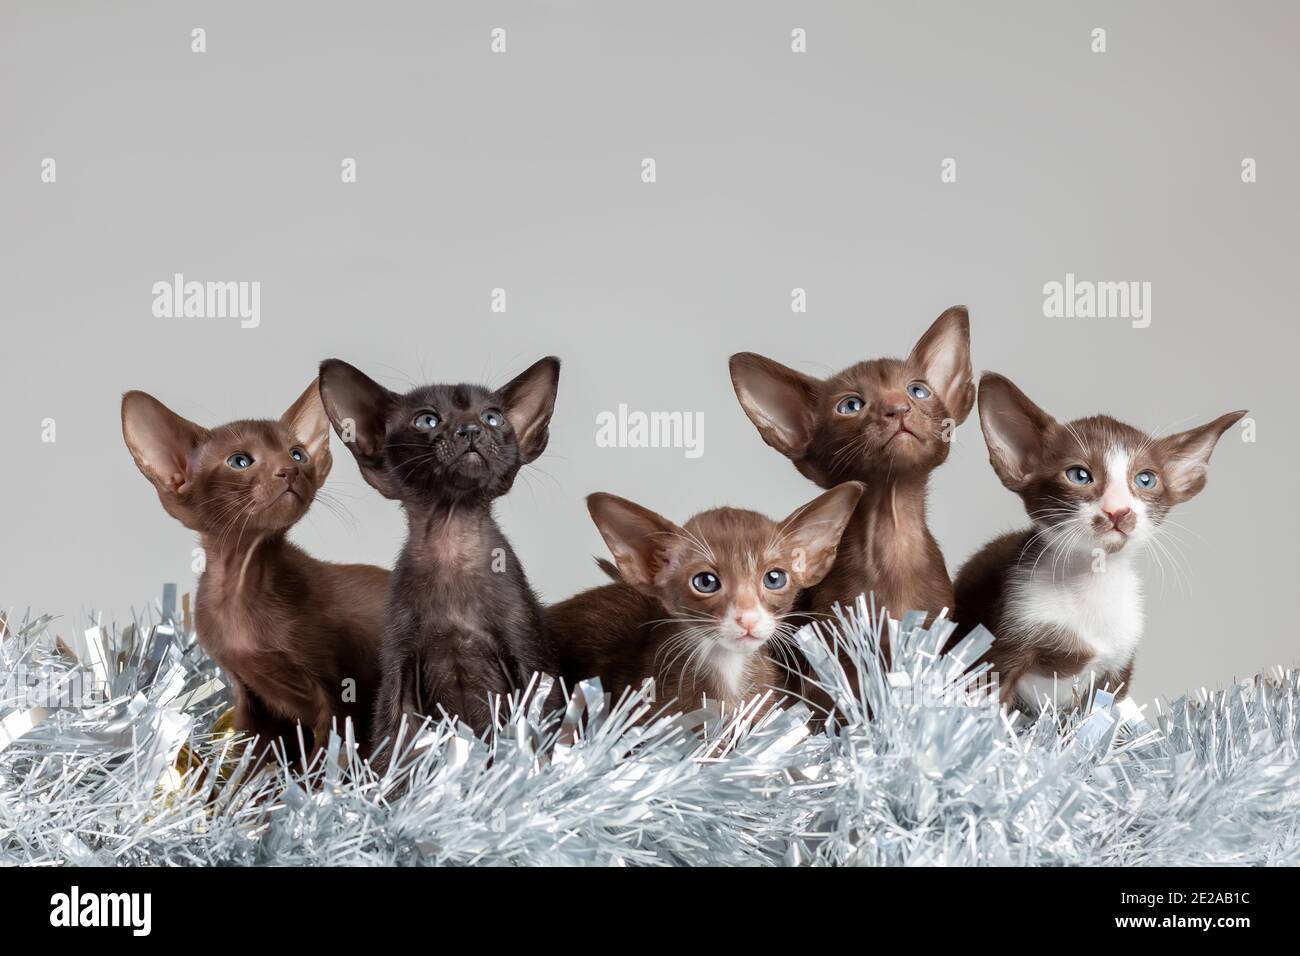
<point>462,619</point>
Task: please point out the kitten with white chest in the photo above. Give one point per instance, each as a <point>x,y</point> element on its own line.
<point>1063,597</point>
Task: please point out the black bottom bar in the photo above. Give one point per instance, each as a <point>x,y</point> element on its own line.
<point>216,907</point>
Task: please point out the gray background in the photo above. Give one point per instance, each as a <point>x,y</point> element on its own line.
<point>522,170</point>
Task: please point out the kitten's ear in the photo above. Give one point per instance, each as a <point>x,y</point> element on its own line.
<point>779,401</point>
<point>356,405</point>
<point>307,422</point>
<point>943,355</point>
<point>161,442</point>
<point>529,400</point>
<point>641,541</point>
<point>1014,429</point>
<point>1186,455</point>
<point>812,534</point>
<point>358,408</point>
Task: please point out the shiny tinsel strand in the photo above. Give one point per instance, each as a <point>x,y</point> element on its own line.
<point>115,748</point>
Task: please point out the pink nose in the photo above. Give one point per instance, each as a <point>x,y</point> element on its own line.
<point>748,620</point>
<point>1117,516</point>
<point>893,404</point>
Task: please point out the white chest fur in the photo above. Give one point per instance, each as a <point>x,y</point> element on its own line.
<point>731,668</point>
<point>1101,610</point>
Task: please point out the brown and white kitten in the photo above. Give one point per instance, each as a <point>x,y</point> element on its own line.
<point>887,423</point>
<point>463,622</point>
<point>704,608</point>
<point>1063,598</point>
<point>287,629</point>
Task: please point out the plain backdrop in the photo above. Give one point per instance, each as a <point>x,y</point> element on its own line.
<point>522,171</point>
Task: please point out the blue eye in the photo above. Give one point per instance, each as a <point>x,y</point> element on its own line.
<point>849,406</point>
<point>493,418</point>
<point>239,461</point>
<point>775,579</point>
<point>1146,480</point>
<point>706,582</point>
<point>1079,475</point>
<point>427,421</point>
<point>297,454</point>
<point>918,390</point>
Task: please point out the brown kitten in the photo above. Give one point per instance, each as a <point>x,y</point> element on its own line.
<point>287,629</point>
<point>1063,597</point>
<point>884,422</point>
<point>463,622</point>
<point>703,609</point>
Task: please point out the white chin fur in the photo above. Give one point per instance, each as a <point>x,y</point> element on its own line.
<point>734,642</point>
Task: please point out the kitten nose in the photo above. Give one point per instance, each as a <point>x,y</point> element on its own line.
<point>1117,516</point>
<point>469,432</point>
<point>748,619</point>
<point>895,404</point>
<point>287,472</point>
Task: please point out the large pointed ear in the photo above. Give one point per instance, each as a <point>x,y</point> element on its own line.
<point>642,542</point>
<point>1186,456</point>
<point>529,400</point>
<point>161,442</point>
<point>781,402</point>
<point>812,534</point>
<point>1014,429</point>
<point>943,355</point>
<point>307,422</point>
<point>358,408</point>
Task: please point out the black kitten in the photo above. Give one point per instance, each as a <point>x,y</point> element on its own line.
<point>462,620</point>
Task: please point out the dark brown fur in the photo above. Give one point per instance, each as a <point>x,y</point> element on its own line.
<point>287,629</point>
<point>728,645</point>
<point>887,548</point>
<point>463,622</point>
<point>891,445</point>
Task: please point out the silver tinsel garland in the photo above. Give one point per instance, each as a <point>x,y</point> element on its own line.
<point>116,749</point>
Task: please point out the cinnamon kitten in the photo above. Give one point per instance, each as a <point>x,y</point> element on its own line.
<point>1063,598</point>
<point>886,423</point>
<point>463,622</point>
<point>290,632</point>
<point>704,608</point>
